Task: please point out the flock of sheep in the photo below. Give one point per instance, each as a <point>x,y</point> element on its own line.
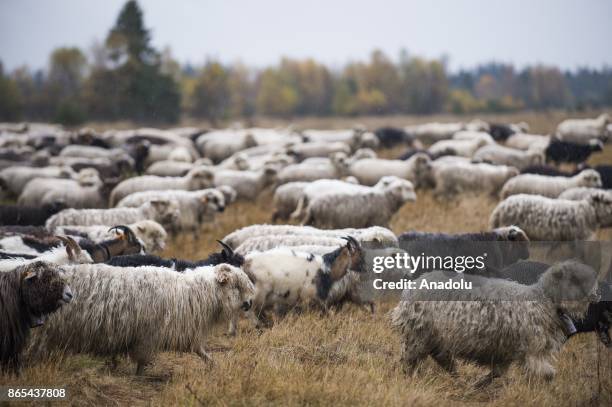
<point>79,249</point>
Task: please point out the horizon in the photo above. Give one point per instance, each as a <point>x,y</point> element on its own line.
<point>337,39</point>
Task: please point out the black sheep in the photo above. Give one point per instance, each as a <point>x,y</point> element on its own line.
<point>547,170</point>
<point>559,151</point>
<point>27,295</point>
<point>605,172</point>
<point>500,132</point>
<point>392,136</point>
<point>226,255</point>
<point>28,215</point>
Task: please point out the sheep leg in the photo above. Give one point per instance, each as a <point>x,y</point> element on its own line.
<point>413,352</point>
<point>539,367</point>
<point>142,358</point>
<point>496,371</point>
<point>446,361</point>
<point>233,322</point>
<point>205,356</point>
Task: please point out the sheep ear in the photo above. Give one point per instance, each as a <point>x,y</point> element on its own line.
<point>29,275</point>
<point>557,274</point>
<point>222,276</point>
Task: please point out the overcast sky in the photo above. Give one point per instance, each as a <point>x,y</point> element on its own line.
<point>567,33</point>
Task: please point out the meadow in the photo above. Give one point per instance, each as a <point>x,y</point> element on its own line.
<point>347,358</point>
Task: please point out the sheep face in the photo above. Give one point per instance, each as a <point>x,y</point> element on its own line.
<point>43,289</point>
<point>571,286</point>
<point>590,178</point>
<point>602,203</point>
<point>236,287</point>
<point>166,212</point>
<point>269,175</point>
<point>341,163</point>
<point>402,190</point>
<point>200,178</point>
<point>152,235</point>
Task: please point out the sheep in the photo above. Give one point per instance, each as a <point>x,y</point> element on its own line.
<point>150,234</point>
<point>195,207</point>
<point>433,132</point>
<point>197,178</point>
<point>501,132</point>
<point>28,294</point>
<point>605,172</point>
<point>16,178</point>
<point>548,170</point>
<point>68,253</point>
<point>264,243</point>
<point>494,323</point>
<point>226,256</point>
<point>500,155</point>
<point>503,246</point>
<point>581,131</point>
<point>167,168</point>
<point>547,186</point>
<point>372,234</point>
<point>417,169</point>
<point>221,144</point>
<point>106,167</point>
<point>356,210</point>
<point>318,149</point>
<point>146,310</point>
<point>580,193</point>
<point>337,167</point>
<point>461,147</point>
<point>92,152</point>
<point>165,212</point>
<point>288,196</point>
<point>247,184</point>
<point>87,192</point>
<point>29,215</point>
<point>528,272</point>
<point>559,151</point>
<point>390,137</point>
<point>473,135</point>
<point>554,219</point>
<point>451,179</point>
<point>284,278</point>
<point>528,142</point>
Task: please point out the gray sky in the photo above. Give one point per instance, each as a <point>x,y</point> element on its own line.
<point>567,33</point>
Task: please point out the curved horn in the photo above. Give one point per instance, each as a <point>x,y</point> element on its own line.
<point>226,247</point>
<point>74,244</point>
<point>129,233</point>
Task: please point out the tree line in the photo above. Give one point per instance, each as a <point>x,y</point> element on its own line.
<point>125,78</point>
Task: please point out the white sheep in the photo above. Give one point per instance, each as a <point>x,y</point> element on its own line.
<point>195,207</point>
<point>318,149</point>
<point>554,219</point>
<point>549,186</point>
<point>285,278</point>
<point>150,234</point>
<point>369,171</point>
<point>247,184</point>
<point>141,311</point>
<point>433,132</point>
<point>263,243</point>
<point>372,234</point>
<point>336,168</point>
<point>500,155</point>
<point>580,193</point>
<point>167,168</point>
<point>221,144</point>
<point>581,131</point>
<point>375,207</point>
<point>165,212</point>
<point>16,178</point>
<point>531,142</point>
<point>197,178</point>
<point>451,179</point>
<point>462,147</point>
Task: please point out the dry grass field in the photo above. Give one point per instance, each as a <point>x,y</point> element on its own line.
<point>348,358</point>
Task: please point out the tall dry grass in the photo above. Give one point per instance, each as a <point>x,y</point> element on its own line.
<point>347,358</point>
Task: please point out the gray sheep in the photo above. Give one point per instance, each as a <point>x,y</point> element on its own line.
<point>494,323</point>
<point>554,219</point>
